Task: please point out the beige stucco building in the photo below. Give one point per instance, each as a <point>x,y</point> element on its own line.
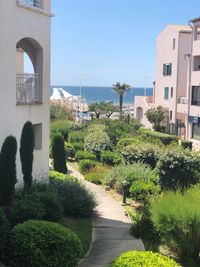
<point>25,28</point>
<point>177,81</point>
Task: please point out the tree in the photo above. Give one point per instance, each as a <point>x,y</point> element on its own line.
<point>108,108</point>
<point>59,112</point>
<point>8,171</point>
<point>121,89</point>
<point>156,116</point>
<point>26,154</point>
<point>96,108</point>
<point>58,153</point>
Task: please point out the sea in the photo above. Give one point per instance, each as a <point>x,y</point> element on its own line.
<point>94,94</point>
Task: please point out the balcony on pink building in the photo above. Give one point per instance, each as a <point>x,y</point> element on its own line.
<point>33,3</point>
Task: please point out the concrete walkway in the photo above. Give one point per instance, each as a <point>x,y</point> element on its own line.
<point>110,229</point>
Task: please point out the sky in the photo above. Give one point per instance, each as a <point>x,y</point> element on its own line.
<point>101,42</point>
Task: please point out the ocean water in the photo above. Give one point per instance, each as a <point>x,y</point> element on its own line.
<point>93,94</point>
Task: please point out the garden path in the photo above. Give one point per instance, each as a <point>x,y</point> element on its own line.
<point>111,234</point>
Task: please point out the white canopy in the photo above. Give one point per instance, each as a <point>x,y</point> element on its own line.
<point>59,93</point>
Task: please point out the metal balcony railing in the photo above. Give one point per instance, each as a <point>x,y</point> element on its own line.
<point>183,100</point>
<point>34,3</point>
<point>27,88</point>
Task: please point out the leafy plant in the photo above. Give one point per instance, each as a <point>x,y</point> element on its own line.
<point>58,154</point>
<point>111,158</point>
<point>26,153</point>
<point>186,144</point>
<point>69,151</point>
<point>86,165</point>
<point>97,174</point>
<point>40,243</point>
<point>121,90</point>
<point>80,155</point>
<point>60,126</point>
<point>156,116</point>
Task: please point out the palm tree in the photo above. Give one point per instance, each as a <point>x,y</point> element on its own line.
<point>121,89</point>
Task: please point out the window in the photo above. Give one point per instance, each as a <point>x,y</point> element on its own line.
<point>167,69</point>
<point>196,131</point>
<point>170,115</point>
<point>174,43</point>
<point>196,95</point>
<point>172,92</point>
<point>166,93</point>
<point>38,135</point>
<point>196,63</point>
<point>197,32</point>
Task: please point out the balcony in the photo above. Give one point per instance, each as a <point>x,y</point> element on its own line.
<point>32,3</point>
<point>27,88</point>
<point>183,100</point>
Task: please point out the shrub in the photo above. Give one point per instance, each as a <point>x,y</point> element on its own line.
<point>76,199</point>
<point>76,126</point>
<point>129,173</point>
<point>97,174</point>
<point>127,141</point>
<point>54,176</point>
<point>40,243</point>
<point>78,146</point>
<point>77,136</point>
<point>142,190</point>
<point>4,226</point>
<point>143,258</point>
<point>80,155</point>
<point>110,158</point>
<point>186,144</point>
<point>69,151</point>
<point>147,153</point>
<point>178,169</point>
<point>8,171</point>
<point>86,165</point>
<point>60,112</point>
<point>166,139</point>
<point>177,218</point>
<point>62,127</point>
<point>58,154</point>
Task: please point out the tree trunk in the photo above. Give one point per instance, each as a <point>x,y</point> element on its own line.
<point>120,103</point>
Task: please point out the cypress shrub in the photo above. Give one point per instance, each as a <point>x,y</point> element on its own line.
<point>26,154</point>
<point>8,171</point>
<point>58,153</point>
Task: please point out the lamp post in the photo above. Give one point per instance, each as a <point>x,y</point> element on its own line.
<point>125,185</point>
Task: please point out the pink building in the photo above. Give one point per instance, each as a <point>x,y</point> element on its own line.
<point>177,86</point>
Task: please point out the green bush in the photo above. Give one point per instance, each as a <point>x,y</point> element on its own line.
<point>77,136</point>
<point>58,153</point>
<point>126,142</point>
<point>178,169</point>
<point>4,227</point>
<point>129,173</point>
<point>86,165</point>
<point>54,176</point>
<point>69,151</point>
<point>186,144</point>
<point>143,259</point>
<point>62,127</point>
<point>144,152</point>
<point>40,243</point>
<point>142,190</point>
<point>76,126</point>
<point>165,139</point>
<point>111,158</point>
<point>76,200</point>
<point>78,146</point>
<point>96,142</point>
<point>177,218</point>
<point>97,174</point>
<point>8,171</point>
<point>80,155</point>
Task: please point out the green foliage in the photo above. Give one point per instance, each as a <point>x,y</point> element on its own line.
<point>86,165</point>
<point>164,138</point>
<point>96,142</point>
<point>40,243</point>
<point>156,116</point>
<point>129,173</point>
<point>96,108</point>
<point>8,171</point>
<point>76,126</point>
<point>97,174</point>
<point>80,155</point>
<point>108,108</point>
<point>62,127</point>
<point>186,144</point>
<point>123,142</point>
<point>60,112</point>
<point>4,227</point>
<point>143,258</point>
<point>177,218</point>
<point>147,153</point>
<point>121,90</point>
<point>111,158</point>
<point>69,151</point>
<point>76,199</point>
<point>78,146</point>
<point>178,169</point>
<point>143,190</point>
<point>26,153</point>
<point>53,176</point>
<point>58,153</point>
<point>77,136</point>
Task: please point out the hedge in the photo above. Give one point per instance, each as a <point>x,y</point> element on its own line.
<point>166,139</point>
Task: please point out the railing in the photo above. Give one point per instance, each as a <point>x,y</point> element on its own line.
<point>183,100</point>
<point>27,88</point>
<point>34,3</point>
<point>196,102</point>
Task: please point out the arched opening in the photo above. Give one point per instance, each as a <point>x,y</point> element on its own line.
<point>29,62</point>
<point>139,113</point>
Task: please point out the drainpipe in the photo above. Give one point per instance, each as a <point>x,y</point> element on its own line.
<point>189,80</point>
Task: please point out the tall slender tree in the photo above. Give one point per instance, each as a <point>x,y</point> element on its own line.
<point>58,153</point>
<point>26,154</point>
<point>121,89</point>
<point>8,172</point>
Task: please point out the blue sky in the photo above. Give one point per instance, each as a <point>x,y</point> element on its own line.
<point>111,40</point>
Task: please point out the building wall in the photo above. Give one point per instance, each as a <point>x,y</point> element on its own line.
<point>16,23</point>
